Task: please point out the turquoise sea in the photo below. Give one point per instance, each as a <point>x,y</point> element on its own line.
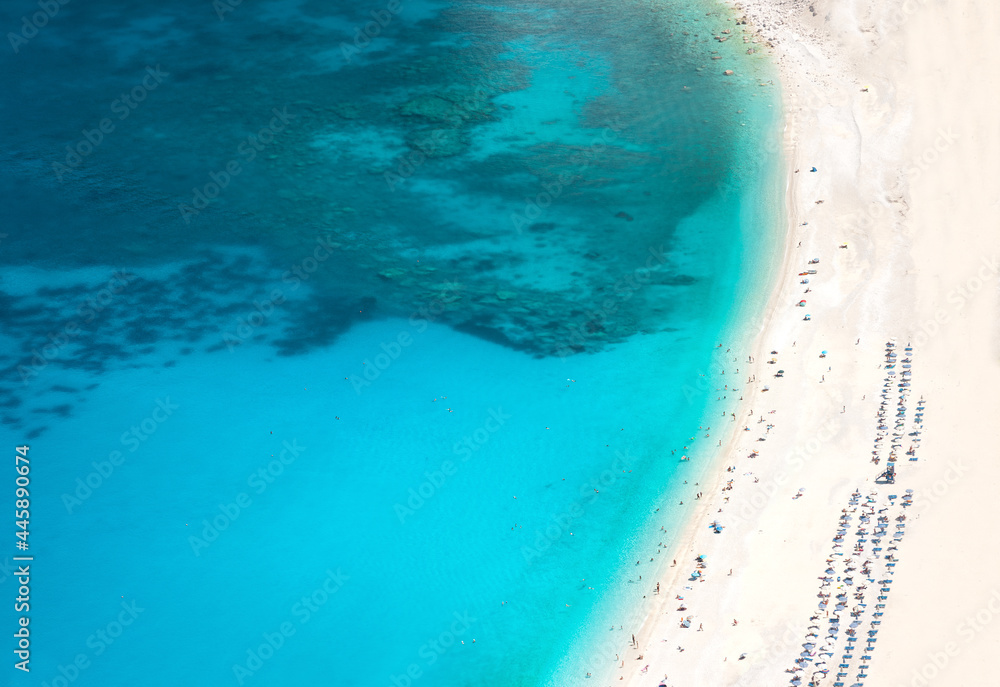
<point>358,344</point>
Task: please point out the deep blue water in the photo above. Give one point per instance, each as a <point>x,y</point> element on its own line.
<point>361,361</point>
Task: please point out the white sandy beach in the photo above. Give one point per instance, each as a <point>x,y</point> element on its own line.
<point>895,105</point>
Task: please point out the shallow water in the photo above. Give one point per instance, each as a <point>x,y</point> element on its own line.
<point>336,356</point>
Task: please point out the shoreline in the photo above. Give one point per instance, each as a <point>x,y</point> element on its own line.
<point>878,292</point>
<point>746,333</point>
<point>686,540</point>
<point>739,332</point>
